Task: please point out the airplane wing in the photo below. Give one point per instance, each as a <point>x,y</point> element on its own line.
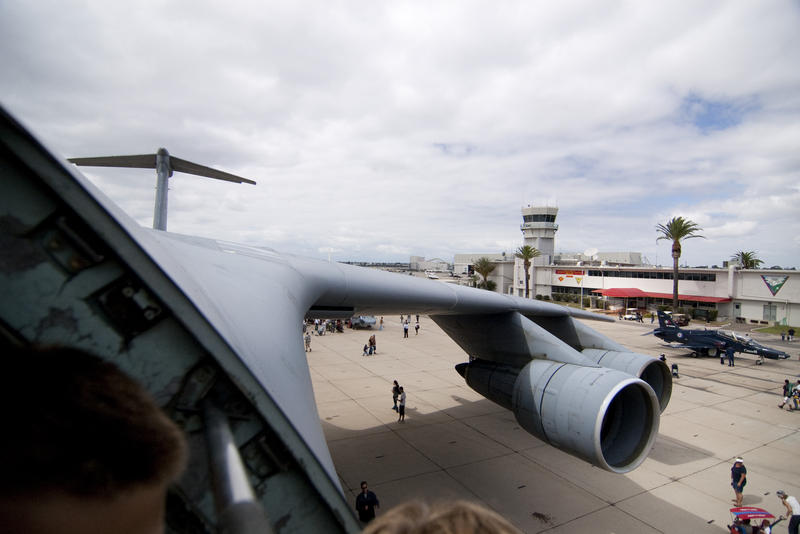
<point>201,322</point>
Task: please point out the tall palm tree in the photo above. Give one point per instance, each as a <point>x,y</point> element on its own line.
<point>747,259</point>
<point>526,253</point>
<point>675,230</point>
<point>484,267</point>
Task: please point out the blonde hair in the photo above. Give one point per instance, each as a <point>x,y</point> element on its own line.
<point>454,517</point>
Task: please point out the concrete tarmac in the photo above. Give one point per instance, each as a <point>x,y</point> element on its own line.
<point>454,444</point>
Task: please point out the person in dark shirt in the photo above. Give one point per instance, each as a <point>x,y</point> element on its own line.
<point>395,394</point>
<point>738,479</point>
<point>366,503</point>
<point>787,394</point>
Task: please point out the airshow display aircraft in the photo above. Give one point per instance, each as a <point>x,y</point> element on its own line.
<point>212,330</point>
<point>703,341</point>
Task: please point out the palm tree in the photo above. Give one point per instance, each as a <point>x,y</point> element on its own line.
<point>747,259</point>
<point>526,253</point>
<point>676,229</point>
<point>484,267</point>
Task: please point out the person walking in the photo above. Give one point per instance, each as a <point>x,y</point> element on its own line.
<point>787,393</point>
<point>401,406</point>
<point>792,510</point>
<point>380,326</point>
<point>366,502</point>
<point>738,479</point>
<point>405,329</point>
<point>307,340</point>
<point>796,395</point>
<point>395,394</point>
<point>729,353</point>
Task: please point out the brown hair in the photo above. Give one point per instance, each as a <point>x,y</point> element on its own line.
<point>455,517</point>
<point>78,424</point>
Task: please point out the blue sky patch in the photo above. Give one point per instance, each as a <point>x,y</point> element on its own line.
<point>715,115</point>
<point>456,149</point>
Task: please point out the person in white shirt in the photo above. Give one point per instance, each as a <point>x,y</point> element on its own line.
<point>402,406</point>
<point>792,510</point>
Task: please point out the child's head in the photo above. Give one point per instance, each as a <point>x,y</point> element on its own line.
<point>87,448</point>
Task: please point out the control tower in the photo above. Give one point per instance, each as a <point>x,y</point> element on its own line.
<point>539,230</point>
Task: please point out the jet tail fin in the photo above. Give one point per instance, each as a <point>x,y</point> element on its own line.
<point>664,321</point>
<point>148,161</point>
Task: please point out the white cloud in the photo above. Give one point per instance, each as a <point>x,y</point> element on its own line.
<point>383,130</point>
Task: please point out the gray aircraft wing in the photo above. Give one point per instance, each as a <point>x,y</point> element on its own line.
<point>201,322</point>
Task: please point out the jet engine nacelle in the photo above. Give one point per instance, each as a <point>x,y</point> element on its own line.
<point>604,416</point>
<point>651,370</point>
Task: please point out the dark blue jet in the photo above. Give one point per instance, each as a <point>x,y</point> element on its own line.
<point>702,342</point>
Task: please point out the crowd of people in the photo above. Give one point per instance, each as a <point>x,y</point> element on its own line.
<point>791,394</point>
<point>745,526</point>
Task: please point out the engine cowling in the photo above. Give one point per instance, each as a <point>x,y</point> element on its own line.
<point>651,370</point>
<point>604,416</point>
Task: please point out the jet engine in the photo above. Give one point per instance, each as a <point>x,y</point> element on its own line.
<point>604,416</point>
<point>651,370</point>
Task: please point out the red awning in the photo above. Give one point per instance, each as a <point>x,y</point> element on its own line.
<point>635,292</point>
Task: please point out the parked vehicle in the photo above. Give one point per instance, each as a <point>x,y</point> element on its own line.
<point>362,321</point>
<point>679,319</point>
<point>631,314</point>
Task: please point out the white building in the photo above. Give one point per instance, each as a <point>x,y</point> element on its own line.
<point>502,276</point>
<point>462,263</point>
<point>764,296</point>
<point>419,263</point>
<point>621,279</point>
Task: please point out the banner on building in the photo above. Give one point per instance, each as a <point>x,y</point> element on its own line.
<point>561,274</point>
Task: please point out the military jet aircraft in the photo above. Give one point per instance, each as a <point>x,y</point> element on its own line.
<point>211,329</point>
<point>703,341</point>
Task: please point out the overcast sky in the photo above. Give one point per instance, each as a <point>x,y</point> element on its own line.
<point>379,130</point>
